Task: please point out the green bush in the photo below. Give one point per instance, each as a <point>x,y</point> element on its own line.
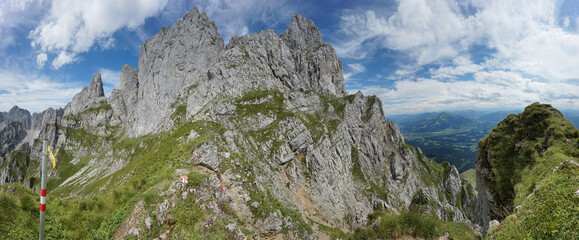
<point>413,224</point>
<point>550,212</point>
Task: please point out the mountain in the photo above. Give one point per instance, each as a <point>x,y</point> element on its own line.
<point>271,143</point>
<point>572,116</point>
<point>495,117</point>
<point>434,122</point>
<point>527,176</point>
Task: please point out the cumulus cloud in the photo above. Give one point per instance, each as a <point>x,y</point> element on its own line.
<point>72,27</point>
<point>520,58</point>
<point>532,41</point>
<point>426,30</point>
<point>41,59</point>
<point>490,90</point>
<point>34,92</point>
<point>461,65</point>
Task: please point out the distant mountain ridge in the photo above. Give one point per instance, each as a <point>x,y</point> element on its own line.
<point>434,122</point>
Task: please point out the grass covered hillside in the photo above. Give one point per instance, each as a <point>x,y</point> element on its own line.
<point>529,164</point>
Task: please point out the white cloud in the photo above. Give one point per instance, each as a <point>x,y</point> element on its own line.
<point>527,36</point>
<point>63,58</point>
<point>566,22</point>
<point>551,54</point>
<point>357,68</point>
<point>490,90</point>
<point>41,59</point>
<point>462,66</point>
<point>426,30</point>
<point>34,92</point>
<point>72,27</point>
<point>354,68</point>
<point>15,15</point>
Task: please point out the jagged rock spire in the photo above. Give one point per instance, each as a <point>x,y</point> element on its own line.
<point>302,33</point>
<point>89,97</point>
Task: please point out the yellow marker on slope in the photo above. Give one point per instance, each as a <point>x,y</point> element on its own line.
<point>52,156</point>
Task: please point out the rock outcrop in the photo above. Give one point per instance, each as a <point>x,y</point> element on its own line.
<point>92,96</point>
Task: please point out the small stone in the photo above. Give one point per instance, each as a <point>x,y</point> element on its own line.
<point>184,195</point>
<point>134,231</point>
<point>192,135</point>
<point>231,227</point>
<point>493,223</point>
<point>148,223</point>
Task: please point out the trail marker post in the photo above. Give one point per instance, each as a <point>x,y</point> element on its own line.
<point>42,192</point>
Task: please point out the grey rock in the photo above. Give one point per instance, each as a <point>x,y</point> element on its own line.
<point>134,231</point>
<point>302,33</point>
<point>453,182</point>
<point>486,206</point>
<point>148,222</point>
<point>170,63</point>
<point>209,157</point>
<point>124,99</point>
<point>163,211</point>
<point>90,97</point>
<point>192,135</point>
<point>271,225</point>
<point>493,223</point>
<point>284,154</point>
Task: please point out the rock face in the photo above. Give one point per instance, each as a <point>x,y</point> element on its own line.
<point>13,127</point>
<point>122,100</point>
<point>270,110</point>
<point>90,97</point>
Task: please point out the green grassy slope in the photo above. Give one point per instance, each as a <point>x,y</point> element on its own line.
<point>470,175</point>
<point>98,209</point>
<point>524,150</point>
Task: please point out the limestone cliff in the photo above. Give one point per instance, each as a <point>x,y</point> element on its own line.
<point>266,119</point>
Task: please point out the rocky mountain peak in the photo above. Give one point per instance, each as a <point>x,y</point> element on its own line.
<point>17,114</point>
<point>128,78</point>
<point>302,33</point>
<point>90,97</point>
<point>96,86</point>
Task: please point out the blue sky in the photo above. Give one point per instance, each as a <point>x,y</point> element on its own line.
<point>416,55</point>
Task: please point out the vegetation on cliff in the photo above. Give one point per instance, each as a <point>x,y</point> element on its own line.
<point>530,161</point>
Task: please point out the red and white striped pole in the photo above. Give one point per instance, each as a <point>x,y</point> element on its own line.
<point>42,192</point>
